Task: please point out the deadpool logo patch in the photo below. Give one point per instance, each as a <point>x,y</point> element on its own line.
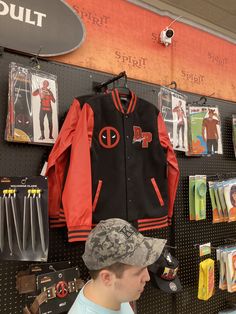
<point>61,289</point>
<point>109,137</point>
<point>141,137</point>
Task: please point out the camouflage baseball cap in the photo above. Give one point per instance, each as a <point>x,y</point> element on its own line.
<point>116,241</point>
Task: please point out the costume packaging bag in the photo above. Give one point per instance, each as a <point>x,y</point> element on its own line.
<point>230,259</point>
<point>32,106</point>
<point>200,197</point>
<point>230,199</point>
<point>172,106</point>
<point>204,130</point>
<point>192,197</point>
<point>234,132</point>
<point>220,211</point>
<point>206,279</point>
<point>215,215</point>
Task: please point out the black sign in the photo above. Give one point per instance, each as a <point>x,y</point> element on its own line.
<point>28,25</point>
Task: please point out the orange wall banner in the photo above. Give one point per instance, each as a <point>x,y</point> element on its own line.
<point>121,36</point>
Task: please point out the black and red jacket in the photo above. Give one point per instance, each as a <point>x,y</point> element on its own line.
<point>122,165</point>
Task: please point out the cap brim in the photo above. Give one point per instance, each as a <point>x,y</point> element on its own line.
<point>169,286</point>
<point>148,251</point>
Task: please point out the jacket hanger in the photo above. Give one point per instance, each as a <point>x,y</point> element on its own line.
<point>104,85</point>
<point>123,90</point>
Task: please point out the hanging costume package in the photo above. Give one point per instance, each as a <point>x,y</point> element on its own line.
<point>200,197</point>
<point>230,259</point>
<point>222,269</point>
<point>180,126</point>
<point>54,287</point>
<point>172,105</point>
<point>220,187</point>
<point>165,107</point>
<point>197,197</point>
<point>191,197</point>
<point>24,219</point>
<point>234,132</point>
<point>204,130</point>
<point>230,199</point>
<point>215,214</point>
<point>206,285</point>
<point>226,256</point>
<point>32,106</point>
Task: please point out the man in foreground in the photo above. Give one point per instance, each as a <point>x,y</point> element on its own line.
<point>117,256</point>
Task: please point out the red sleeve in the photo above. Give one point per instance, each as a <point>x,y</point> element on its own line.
<point>36,92</point>
<point>172,164</point>
<point>77,194</point>
<point>52,97</point>
<point>57,164</point>
<point>175,109</point>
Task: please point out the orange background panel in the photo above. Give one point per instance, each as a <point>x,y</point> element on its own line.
<point>123,37</point>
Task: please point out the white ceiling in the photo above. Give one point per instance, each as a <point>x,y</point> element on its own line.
<point>215,16</point>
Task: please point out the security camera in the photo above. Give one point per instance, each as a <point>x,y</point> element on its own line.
<point>166,36</point>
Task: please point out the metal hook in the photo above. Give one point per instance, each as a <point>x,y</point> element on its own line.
<point>230,239</point>
<point>34,60</point>
<point>52,268</point>
<point>126,79</point>
<point>212,247</point>
<point>173,83</point>
<point>23,181</point>
<point>205,99</point>
<point>171,247</point>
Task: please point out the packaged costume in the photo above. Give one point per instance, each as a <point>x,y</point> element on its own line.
<point>204,130</point>
<point>206,279</point>
<point>32,106</point>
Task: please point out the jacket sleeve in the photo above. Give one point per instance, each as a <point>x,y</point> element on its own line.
<point>57,164</point>
<point>77,193</point>
<point>172,165</point>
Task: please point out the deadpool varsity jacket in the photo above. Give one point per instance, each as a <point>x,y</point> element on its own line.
<point>122,165</point>
<point>58,162</point>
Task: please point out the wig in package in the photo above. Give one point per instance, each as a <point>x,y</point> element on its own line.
<point>32,106</point>
<point>234,132</point>
<point>230,199</point>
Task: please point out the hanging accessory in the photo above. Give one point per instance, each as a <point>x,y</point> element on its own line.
<point>56,290</point>
<point>40,219</point>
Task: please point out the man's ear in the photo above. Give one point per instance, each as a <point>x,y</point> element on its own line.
<point>106,277</point>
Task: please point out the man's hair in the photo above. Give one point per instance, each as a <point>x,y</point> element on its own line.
<point>117,269</point>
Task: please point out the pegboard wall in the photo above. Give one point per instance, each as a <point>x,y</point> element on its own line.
<point>27,160</point>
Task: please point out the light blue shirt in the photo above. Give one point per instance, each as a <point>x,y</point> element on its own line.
<point>82,305</point>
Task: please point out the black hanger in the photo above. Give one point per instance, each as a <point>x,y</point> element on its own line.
<point>103,85</point>
<point>123,90</point>
<point>201,101</point>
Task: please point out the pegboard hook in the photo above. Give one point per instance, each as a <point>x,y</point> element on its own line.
<point>171,247</point>
<point>52,268</point>
<point>34,60</point>
<point>212,247</point>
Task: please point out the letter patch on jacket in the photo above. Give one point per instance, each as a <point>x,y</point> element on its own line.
<point>139,136</point>
<point>109,137</point>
